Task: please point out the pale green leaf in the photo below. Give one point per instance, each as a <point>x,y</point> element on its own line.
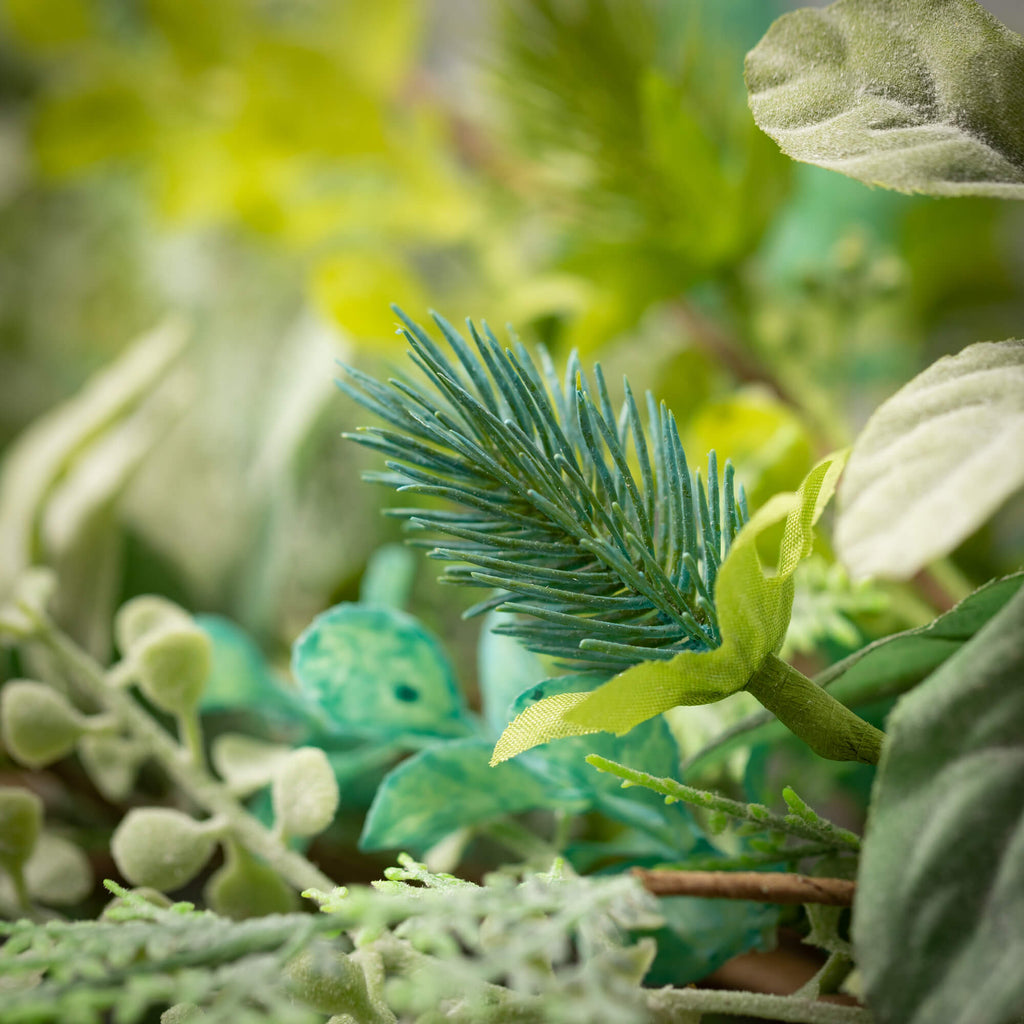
<point>939,917</point>
<point>934,462</point>
<point>753,602</point>
<point>61,478</point>
<point>52,447</point>
<point>914,95</point>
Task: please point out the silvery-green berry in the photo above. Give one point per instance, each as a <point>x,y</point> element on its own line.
<point>161,847</point>
<point>21,818</point>
<point>172,664</point>
<point>305,792</point>
<point>38,724</point>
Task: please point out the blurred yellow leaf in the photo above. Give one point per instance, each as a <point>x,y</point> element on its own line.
<point>355,291</point>
<point>766,441</point>
<point>48,24</point>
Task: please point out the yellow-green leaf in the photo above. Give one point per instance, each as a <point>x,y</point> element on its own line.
<point>754,603</point>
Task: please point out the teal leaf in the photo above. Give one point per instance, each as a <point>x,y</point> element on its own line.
<point>934,462</point>
<point>651,744</point>
<point>915,95</point>
<point>700,935</point>
<point>880,670</point>
<point>241,680</point>
<point>375,671</point>
<point>451,786</point>
<point>939,916</point>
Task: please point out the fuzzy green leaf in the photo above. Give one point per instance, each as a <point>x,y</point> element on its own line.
<point>914,95</point>
<point>934,462</point>
<point>939,917</point>
<point>754,603</point>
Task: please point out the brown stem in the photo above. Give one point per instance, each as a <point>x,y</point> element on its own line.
<point>765,887</point>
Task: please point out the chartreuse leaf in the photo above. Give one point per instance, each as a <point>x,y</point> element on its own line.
<point>753,605</point>
<point>506,670</point>
<point>914,95</point>
<point>650,744</point>
<point>414,807</point>
<point>939,915</point>
<point>883,669</point>
<point>934,462</point>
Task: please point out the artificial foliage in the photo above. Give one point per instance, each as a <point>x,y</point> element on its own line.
<point>618,564</point>
<point>702,723</point>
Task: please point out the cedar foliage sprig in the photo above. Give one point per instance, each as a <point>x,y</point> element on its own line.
<point>611,564</point>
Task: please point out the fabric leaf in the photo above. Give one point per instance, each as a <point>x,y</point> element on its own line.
<point>448,787</point>
<point>753,603</point>
<point>934,462</point>
<point>914,95</point>
<point>939,915</point>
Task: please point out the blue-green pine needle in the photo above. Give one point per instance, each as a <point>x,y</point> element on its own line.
<point>590,528</point>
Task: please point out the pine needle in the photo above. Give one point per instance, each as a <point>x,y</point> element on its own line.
<point>587,524</point>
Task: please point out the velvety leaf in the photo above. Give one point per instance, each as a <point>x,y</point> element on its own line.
<point>246,763</point>
<point>377,671</point>
<point>448,787</point>
<point>934,462</point>
<point>753,603</point>
<point>885,668</point>
<point>939,917</point>
<point>915,95</point>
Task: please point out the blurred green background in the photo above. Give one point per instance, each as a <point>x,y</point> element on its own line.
<point>274,173</point>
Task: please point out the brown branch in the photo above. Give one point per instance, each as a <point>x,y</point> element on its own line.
<point>765,887</point>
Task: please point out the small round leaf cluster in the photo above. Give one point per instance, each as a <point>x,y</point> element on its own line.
<point>163,848</point>
<point>36,865</point>
<point>167,653</point>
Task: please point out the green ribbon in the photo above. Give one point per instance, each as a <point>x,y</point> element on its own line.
<point>754,603</point>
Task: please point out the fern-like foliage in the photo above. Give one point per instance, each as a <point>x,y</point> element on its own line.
<point>612,553</point>
<point>143,958</point>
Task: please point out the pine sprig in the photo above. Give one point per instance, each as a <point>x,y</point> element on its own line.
<point>588,525</point>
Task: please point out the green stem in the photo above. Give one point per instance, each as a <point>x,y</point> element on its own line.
<point>193,779</point>
<point>833,972</point>
<point>664,1006</point>
<point>829,728</point>
<point>668,1005</point>
<point>16,873</point>
<point>191,732</point>
<point>816,831</point>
